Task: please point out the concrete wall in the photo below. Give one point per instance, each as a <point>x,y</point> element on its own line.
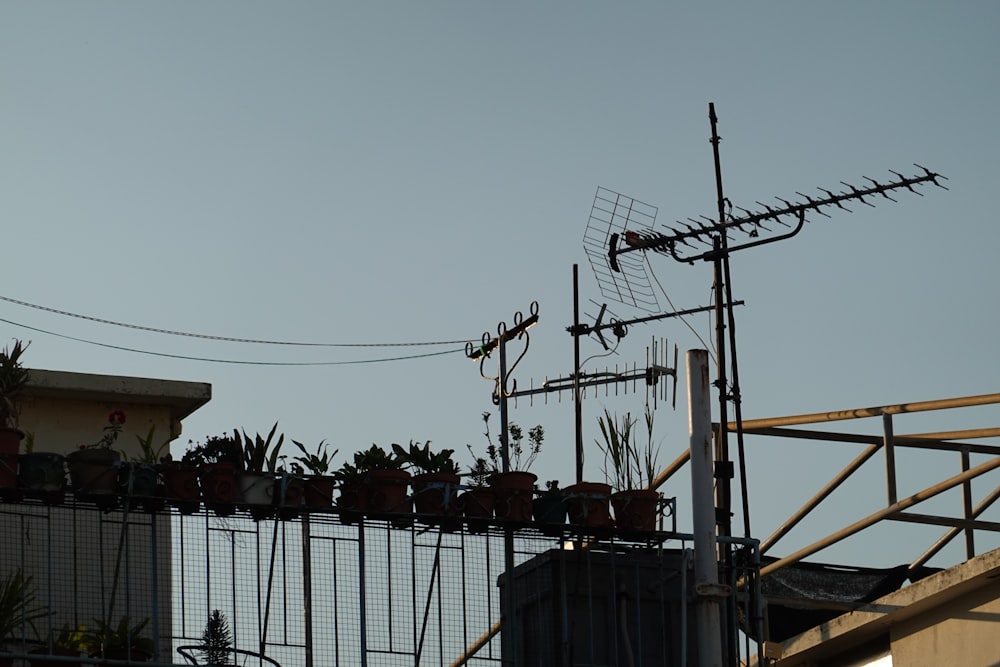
<point>89,564</point>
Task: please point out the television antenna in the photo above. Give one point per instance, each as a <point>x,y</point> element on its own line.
<point>708,239</point>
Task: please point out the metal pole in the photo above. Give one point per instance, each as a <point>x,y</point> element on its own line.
<point>706,573</point>
<point>970,544</point>
<point>577,402</point>
<point>307,588</point>
<point>890,458</point>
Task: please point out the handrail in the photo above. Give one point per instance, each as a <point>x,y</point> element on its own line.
<point>183,651</point>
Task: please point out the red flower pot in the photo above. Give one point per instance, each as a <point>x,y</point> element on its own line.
<point>180,486</point>
<point>513,491</point>
<point>588,504</point>
<point>477,503</point>
<point>435,493</point>
<point>317,491</point>
<point>219,487</point>
<point>635,509</point>
<point>353,500</point>
<point>387,490</point>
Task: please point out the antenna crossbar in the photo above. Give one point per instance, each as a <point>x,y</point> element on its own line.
<point>703,231</point>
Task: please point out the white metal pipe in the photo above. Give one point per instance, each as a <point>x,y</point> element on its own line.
<point>706,572</point>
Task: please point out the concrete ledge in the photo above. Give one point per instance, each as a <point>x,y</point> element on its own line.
<point>181,397</point>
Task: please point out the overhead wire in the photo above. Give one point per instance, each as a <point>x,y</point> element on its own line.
<point>709,348</point>
<point>231,361</point>
<point>227,339</point>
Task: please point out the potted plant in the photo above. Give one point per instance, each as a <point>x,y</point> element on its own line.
<point>93,468</point>
<point>139,476</point>
<point>217,640</point>
<point>514,488</point>
<point>477,501</point>
<point>550,505</point>
<point>66,642</point>
<point>179,483</point>
<point>320,482</point>
<point>217,461</point>
<point>354,492</point>
<point>435,484</point>
<point>632,469</point>
<point>257,477</point>
<point>119,642</point>
<point>41,475</point>
<point>18,612</point>
<point>13,379</point>
<point>386,479</point>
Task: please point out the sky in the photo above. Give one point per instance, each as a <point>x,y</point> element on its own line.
<point>387,173</point>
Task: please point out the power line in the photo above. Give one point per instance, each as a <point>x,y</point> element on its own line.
<point>232,361</point>
<point>227,339</point>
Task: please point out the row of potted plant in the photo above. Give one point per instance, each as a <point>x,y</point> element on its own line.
<point>236,470</point>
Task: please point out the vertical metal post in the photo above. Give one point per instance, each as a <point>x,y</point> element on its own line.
<point>508,643</point>
<point>707,617</point>
<point>970,544</point>
<point>362,594</point>
<point>890,458</point>
<point>307,588</point>
<point>577,398</point>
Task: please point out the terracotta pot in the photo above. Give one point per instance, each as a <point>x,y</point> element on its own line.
<point>435,493</point>
<point>513,491</point>
<point>180,486</point>
<point>219,487</point>
<point>42,475</point>
<point>635,509</point>
<point>388,491</point>
<point>317,491</point>
<point>477,504</point>
<point>587,504</point>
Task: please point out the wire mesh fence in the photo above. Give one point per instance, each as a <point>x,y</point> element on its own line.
<point>385,592</point>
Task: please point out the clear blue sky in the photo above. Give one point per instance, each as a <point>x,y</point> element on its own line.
<point>415,172</point>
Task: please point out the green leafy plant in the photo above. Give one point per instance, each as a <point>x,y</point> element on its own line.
<point>121,637</point>
<point>480,472</point>
<point>215,449</point>
<point>68,637</point>
<point>217,640</point>
<point>13,379</point>
<point>631,466</point>
<point>318,463</point>
<point>376,458</point>
<point>259,452</point>
<point>149,452</point>
<point>425,460</point>
<point>17,605</point>
<point>519,456</point>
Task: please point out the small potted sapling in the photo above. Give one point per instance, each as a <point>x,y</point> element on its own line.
<point>513,489</point>
<point>258,475</point>
<point>387,481</point>
<point>631,469</point>
<point>478,500</point>
<point>550,505</point>
<point>93,469</point>
<point>139,476</point>
<point>320,481</point>
<point>217,461</point>
<point>435,484</point>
